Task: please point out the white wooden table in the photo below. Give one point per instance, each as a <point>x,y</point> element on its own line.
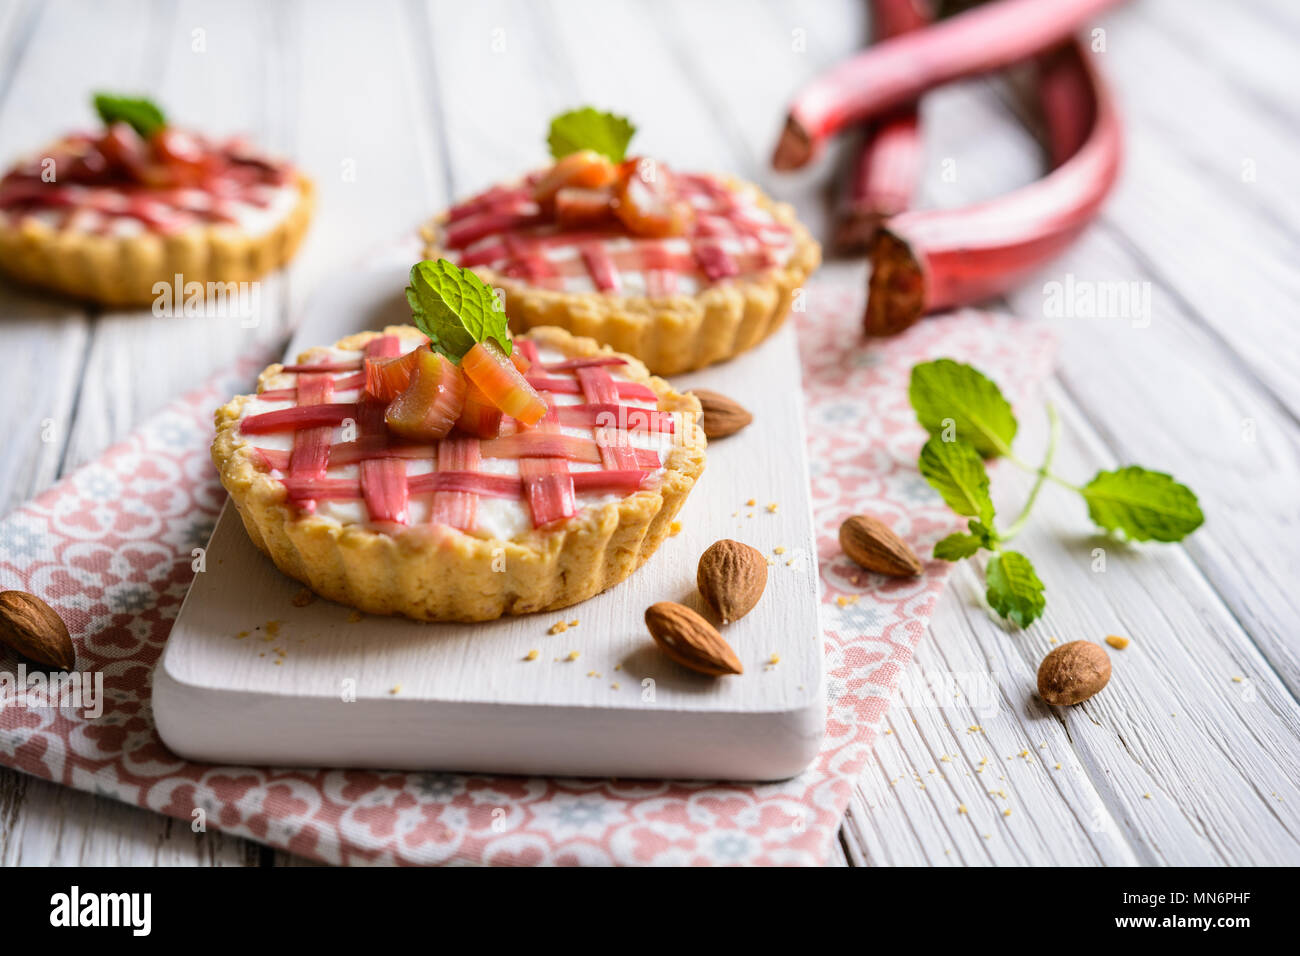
<point>1190,755</point>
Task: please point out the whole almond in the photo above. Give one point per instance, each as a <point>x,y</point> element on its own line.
<point>721,416</point>
<point>30,626</point>
<point>690,640</point>
<point>1072,673</point>
<point>731,578</point>
<point>874,546</point>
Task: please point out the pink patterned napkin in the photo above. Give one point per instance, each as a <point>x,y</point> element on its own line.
<point>110,549</point>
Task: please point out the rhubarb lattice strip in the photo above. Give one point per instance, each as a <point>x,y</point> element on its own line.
<point>458,509</point>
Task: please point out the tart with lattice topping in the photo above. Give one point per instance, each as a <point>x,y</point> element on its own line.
<point>117,215</point>
<point>680,270</point>
<point>450,472</point>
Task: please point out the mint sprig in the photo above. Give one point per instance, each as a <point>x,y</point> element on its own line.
<point>455,309</point>
<point>142,114</point>
<point>969,420</point>
<point>589,128</point>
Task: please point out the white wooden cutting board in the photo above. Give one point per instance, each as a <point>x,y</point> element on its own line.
<point>321,685</point>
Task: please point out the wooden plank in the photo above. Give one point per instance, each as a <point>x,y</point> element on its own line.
<point>77,48</point>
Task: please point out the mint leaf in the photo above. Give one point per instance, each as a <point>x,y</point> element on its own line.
<point>957,546</point>
<point>588,128</point>
<point>1014,590</point>
<point>945,390</point>
<point>455,309</point>
<point>141,113</point>
<point>956,471</point>
<point>1144,505</point>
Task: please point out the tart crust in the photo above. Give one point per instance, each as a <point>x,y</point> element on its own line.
<point>677,333</point>
<point>122,270</point>
<point>436,573</point>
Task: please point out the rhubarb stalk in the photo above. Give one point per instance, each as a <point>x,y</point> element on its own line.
<point>898,70</point>
<point>927,260</point>
<point>885,171</point>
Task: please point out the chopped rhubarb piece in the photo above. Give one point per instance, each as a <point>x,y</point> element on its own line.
<point>598,386</point>
<point>456,508</point>
<point>496,376</point>
<point>715,262</point>
<point>539,443</point>
<point>584,208</point>
<point>627,417</point>
<point>383,486</point>
<point>479,417</point>
<point>604,274</point>
<point>594,361</point>
<point>549,488</point>
<point>302,416</point>
<point>646,202</point>
<point>470,482</point>
<point>309,489</point>
<point>585,169</point>
<point>428,408</point>
<point>472,228</point>
<point>634,391</point>
<point>527,350</point>
<point>384,346</point>
<point>386,378</point>
<point>624,482</point>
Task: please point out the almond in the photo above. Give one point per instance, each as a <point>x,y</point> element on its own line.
<point>30,626</point>
<point>721,416</point>
<point>874,546</point>
<point>690,640</point>
<point>731,577</point>
<point>1072,673</point>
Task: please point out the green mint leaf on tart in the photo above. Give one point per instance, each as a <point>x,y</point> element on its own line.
<point>589,128</point>
<point>957,546</point>
<point>454,308</point>
<point>1143,505</point>
<point>142,114</point>
<point>1014,590</point>
<point>956,471</point>
<point>954,400</point>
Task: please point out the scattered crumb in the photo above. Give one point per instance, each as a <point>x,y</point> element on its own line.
<point>774,659</point>
<point>618,667</point>
<point>974,729</point>
<point>944,759</point>
<point>789,563</point>
<point>1051,640</point>
<point>303,598</point>
<point>846,600</point>
<point>272,629</point>
<point>573,656</point>
<point>751,502</point>
<point>772,507</point>
<point>277,661</point>
<point>1117,642</point>
<point>961,808</point>
<point>1006,812</point>
<point>1146,796</point>
<point>397,689</point>
<point>241,635</point>
<point>771,563</point>
<point>615,685</point>
<point>778,550</point>
<point>735,514</point>
<point>1058,766</point>
<point>559,627</point>
<point>750,515</point>
<point>593,673</point>
<point>573,623</point>
<point>1238,680</point>
<point>531,656</point>
<point>983,761</point>
<point>888,732</point>
<point>674,529</point>
<point>354,617</point>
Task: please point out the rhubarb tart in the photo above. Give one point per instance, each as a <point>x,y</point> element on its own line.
<point>109,215</point>
<point>680,270</point>
<point>447,472</point>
